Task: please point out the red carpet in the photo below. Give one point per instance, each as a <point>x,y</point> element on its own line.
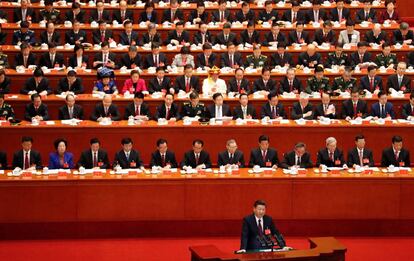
<point>384,248</point>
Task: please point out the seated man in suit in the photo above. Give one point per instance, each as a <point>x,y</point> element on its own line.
<point>94,157</point>
<point>265,85</point>
<point>231,157</point>
<point>269,14</point>
<point>250,35</point>
<point>99,13</point>
<point>104,58</point>
<point>325,108</point>
<point>197,158</point>
<point>194,108</point>
<point>122,13</point>
<point>218,109</point>
<point>340,13</point>
<point>299,36</point>
<point>404,35</point>
<point>26,158</point>
<point>359,155</point>
<point>245,14</point>
<point>178,36</point>
<point>244,110</point>
<point>199,15</point>
<point>174,13</point>
<point>408,109</point>
<point>76,35</point>
<point>70,110</point>
<point>310,58</point>
<point>349,35</point>
<point>255,227</point>
<point>132,59</point>
<point>275,36</point>
<point>316,14</point>
<point>337,58</point>
<point>264,156</point>
<point>302,109</point>
<point>396,155</point>
<point>361,57</point>
<point>50,35</point>
<point>221,14</point>
<point>163,157</point>
<point>231,58</point>
<point>330,156</point>
<point>127,157</point>
<point>273,109</point>
<point>75,13</point>
<point>325,35</point>
<point>138,109</point>
<point>25,57</point>
<point>168,110</point>
<point>160,83</point>
<point>187,82</point>
<point>203,35</point>
<point>70,84</point>
<point>355,107</point>
<point>290,83</point>
<point>152,37</point>
<point>155,58</point>
<point>382,109</point>
<point>24,13</point>
<point>239,84</point>
<point>367,14</point>
<point>128,36</point>
<point>294,14</point>
<point>36,110</point>
<point>376,36</point>
<point>52,59</point>
<point>400,81</point>
<point>371,82</point>
<point>226,36</point>
<point>298,158</point>
<point>206,59</point>
<point>386,58</point>
<point>105,109</point>
<point>281,58</point>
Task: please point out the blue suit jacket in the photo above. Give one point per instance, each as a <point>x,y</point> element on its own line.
<point>54,162</point>
<point>389,109</point>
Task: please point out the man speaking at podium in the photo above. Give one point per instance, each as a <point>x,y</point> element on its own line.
<point>259,231</point>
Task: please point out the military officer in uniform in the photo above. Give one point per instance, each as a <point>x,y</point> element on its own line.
<point>193,108</point>
<point>24,35</point>
<point>6,110</point>
<point>338,57</point>
<point>4,63</point>
<point>386,58</point>
<point>345,82</point>
<point>256,60</point>
<point>49,14</point>
<point>318,82</point>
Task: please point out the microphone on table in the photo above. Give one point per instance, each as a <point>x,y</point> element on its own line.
<point>280,240</point>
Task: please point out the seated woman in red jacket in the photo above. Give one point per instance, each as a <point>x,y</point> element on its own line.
<point>134,84</point>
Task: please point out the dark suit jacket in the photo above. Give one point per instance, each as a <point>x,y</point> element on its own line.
<point>77,112</point>
<point>267,111</point>
<point>96,36</point>
<point>281,38</point>
<point>143,17</point>
<point>255,39</point>
<point>189,159</point>
<point>106,16</point>
<point>30,112</point>
<point>265,17</point>
<point>31,60</point>
<point>79,17</point>
<point>225,59</point>
<point>365,84</point>
<point>304,59</point>
<point>147,39</point>
<point>76,87</point>
<point>45,60</point>
<point>319,111</point>
<point>238,159</point>
<point>323,158</point>
<point>289,160</point>
<point>220,39</point>
<point>410,59</point>
<point>238,112</point>
<point>73,61</point>
<point>116,15</point>
<point>277,60</point>
<point>330,38</point>
<point>244,17</point>
<point>367,157</point>
<point>30,85</point>
<point>406,111</point>
<point>198,38</point>
<point>154,85</point>
<point>17,14</point>
<point>71,37</point>
<point>250,232</point>
<point>287,16</point>
<point>345,14</point>
<point>256,158</point>
<point>348,109</point>
<point>3,160</point>
<point>128,62</point>
<point>149,60</point>
<point>169,159</point>
<point>293,37</point>
<point>370,38</point>
<point>98,57</point>
<point>55,37</point>
<point>162,110</point>
<point>216,16</point>
<point>180,83</point>
<point>397,36</point>
<point>166,15</point>
<point>172,35</point>
<point>284,85</point>
<point>194,14</point>
<point>35,159</point>
<point>130,110</point>
<point>259,85</point>
<point>355,60</point>
<point>388,158</point>
<point>360,16</point>
<point>123,38</point>
<point>297,112</point>
<point>201,60</point>
<point>323,15</point>
<point>244,86</point>
<point>211,110</point>
<point>86,159</point>
<point>392,82</point>
<point>389,110</point>
<point>99,111</point>
<point>133,162</point>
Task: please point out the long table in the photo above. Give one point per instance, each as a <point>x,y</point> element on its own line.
<point>109,205</point>
<point>283,136</point>
<point>88,102</point>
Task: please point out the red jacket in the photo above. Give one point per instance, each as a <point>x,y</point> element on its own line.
<point>128,86</point>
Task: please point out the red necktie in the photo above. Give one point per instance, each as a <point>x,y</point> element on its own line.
<point>290,86</point>
<point>231,61</point>
<point>137,111</point>
<point>355,109</point>
<point>264,156</point>
<point>238,86</point>
<point>26,161</point>
<point>396,156</point>
<point>95,159</point>
<point>167,113</point>
<point>122,15</point>
<point>260,228</point>
<point>197,158</point>
<point>187,85</point>
<point>331,156</point>
<point>163,160</point>
<point>156,61</point>
<point>102,37</point>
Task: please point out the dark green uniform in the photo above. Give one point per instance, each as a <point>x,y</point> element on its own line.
<point>336,60</point>
<point>256,62</point>
<point>50,16</point>
<point>6,111</point>
<point>342,85</point>
<point>382,60</point>
<point>4,63</point>
<point>315,85</point>
<point>190,111</point>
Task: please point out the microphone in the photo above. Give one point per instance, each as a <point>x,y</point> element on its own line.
<point>280,240</point>
<point>261,241</point>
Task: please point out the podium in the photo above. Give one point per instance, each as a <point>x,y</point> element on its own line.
<point>321,248</point>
